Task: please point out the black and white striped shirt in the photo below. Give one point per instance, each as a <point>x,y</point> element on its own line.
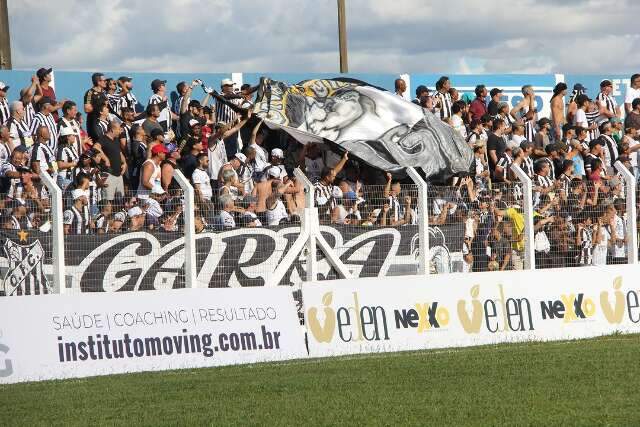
<point>78,220</point>
<point>552,168</point>
<point>565,180</point>
<point>102,127</point>
<point>29,113</point>
<point>20,132</point>
<point>544,181</point>
<point>68,154</point>
<point>73,124</point>
<point>592,117</point>
<point>527,166</point>
<point>224,113</point>
<point>44,155</point>
<point>322,191</point>
<point>609,102</point>
<point>48,121</point>
<point>5,152</point>
<point>588,163</point>
<point>444,101</point>
<point>4,111</point>
<point>128,100</point>
<point>586,246</point>
<point>113,99</point>
<point>12,187</point>
<point>504,162</point>
<point>610,150</point>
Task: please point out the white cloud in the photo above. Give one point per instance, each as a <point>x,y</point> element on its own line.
<point>452,36</point>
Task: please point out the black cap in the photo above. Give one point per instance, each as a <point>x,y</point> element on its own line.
<point>595,142</point>
<point>155,85</point>
<point>45,100</point>
<point>495,91</point>
<point>579,87</point>
<point>194,103</point>
<point>124,79</point>
<point>420,89</point>
<point>156,133</point>
<point>605,83</point>
<point>43,72</point>
<point>544,121</point>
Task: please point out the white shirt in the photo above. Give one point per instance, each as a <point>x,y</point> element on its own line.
<point>314,168</point>
<point>619,249</point>
<point>154,208</point>
<point>458,124</point>
<point>227,219</point>
<point>600,250</point>
<point>631,94</point>
<point>275,215</point>
<point>202,180</point>
<point>217,158</point>
<point>262,159</point>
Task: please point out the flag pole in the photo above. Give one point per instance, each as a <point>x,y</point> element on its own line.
<point>342,35</point>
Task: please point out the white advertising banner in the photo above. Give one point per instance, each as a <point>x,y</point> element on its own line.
<point>63,336</point>
<point>409,313</point>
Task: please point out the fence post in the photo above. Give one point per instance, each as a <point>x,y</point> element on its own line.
<point>190,273</point>
<point>423,221</point>
<point>309,224</point>
<point>630,193</point>
<point>527,209</point>
<point>57,231</point>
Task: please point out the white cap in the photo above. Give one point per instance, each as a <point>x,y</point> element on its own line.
<point>276,152</point>
<point>157,189</point>
<point>227,82</point>
<point>135,211</point>
<point>77,193</point>
<point>274,171</point>
<point>337,193</point>
<point>241,157</point>
<point>3,86</point>
<point>193,122</point>
<point>66,131</point>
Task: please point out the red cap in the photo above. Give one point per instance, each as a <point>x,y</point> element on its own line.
<point>159,148</point>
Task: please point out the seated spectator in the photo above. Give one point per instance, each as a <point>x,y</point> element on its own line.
<point>104,218</point>
<point>227,207</point>
<point>137,219</point>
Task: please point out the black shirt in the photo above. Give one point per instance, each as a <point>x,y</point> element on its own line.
<point>498,144</point>
<point>188,164</point>
<point>96,99</point>
<point>492,108</point>
<point>111,149</point>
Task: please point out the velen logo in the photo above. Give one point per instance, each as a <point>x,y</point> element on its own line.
<point>613,314</point>
<point>471,324</point>
<point>323,333</point>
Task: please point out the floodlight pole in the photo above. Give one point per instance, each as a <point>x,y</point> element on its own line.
<point>342,36</point>
<point>5,39</point>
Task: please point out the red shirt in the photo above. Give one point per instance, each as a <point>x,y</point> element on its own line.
<point>477,109</point>
<point>50,93</point>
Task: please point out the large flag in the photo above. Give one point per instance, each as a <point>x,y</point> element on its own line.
<point>375,125</point>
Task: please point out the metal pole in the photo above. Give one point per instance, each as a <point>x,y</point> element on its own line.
<point>630,193</point>
<point>342,35</point>
<point>190,272</point>
<point>527,210</point>
<point>57,231</point>
<point>5,40</point>
<point>423,221</point>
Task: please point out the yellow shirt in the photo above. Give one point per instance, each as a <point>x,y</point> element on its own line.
<point>518,227</point>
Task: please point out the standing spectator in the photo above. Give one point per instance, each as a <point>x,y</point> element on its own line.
<point>610,147</point>
<point>94,98</point>
<point>504,116</point>
<point>496,144</point>
<point>443,98</point>
<point>139,153</point>
<point>189,160</point>
<point>47,91</point>
<point>168,166</point>
<point>633,92</point>
<point>109,146</point>
<point>202,186</point>
<point>421,93</point>
<point>45,118</point>
<point>619,243</point>
<point>525,111</point>
<point>103,119</point>
<point>478,108</point>
<point>6,146</point>
<point>607,105</point>
<point>159,98</point>
<point>126,98</point>
<point>11,175</point>
<point>572,105</point>
<point>152,120</point>
<point>4,104</point>
<point>633,118</point>
<point>42,156</point>
<point>580,116</point>
<point>457,122</point>
<point>150,175</point>
<point>542,136</point>
<point>30,96</point>
<point>225,114</point>
<point>19,130</point>
<point>226,212</point>
<point>112,97</point>
<point>67,158</point>
<point>217,151</point>
<point>558,118</point>
<point>400,87</point>
<point>496,95</point>
<point>76,218</point>
<point>68,120</point>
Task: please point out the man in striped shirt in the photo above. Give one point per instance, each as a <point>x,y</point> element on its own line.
<point>126,99</point>
<point>30,96</point>
<point>443,98</point>
<point>45,118</point>
<point>159,98</point>
<point>19,130</point>
<point>4,104</point>
<point>68,120</point>
<point>526,111</point>
<point>76,218</point>
<point>607,105</point>
<point>225,114</point>
<point>94,98</point>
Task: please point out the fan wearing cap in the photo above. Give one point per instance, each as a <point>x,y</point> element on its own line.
<point>277,157</point>
<point>169,165</point>
<point>67,157</point>
<point>76,218</point>
<point>153,205</point>
<point>607,105</point>
<point>94,98</point>
<point>46,90</point>
<point>150,175</point>
<point>125,98</point>
<point>159,98</point>
<point>136,218</point>
<point>225,114</point>
<point>192,148</point>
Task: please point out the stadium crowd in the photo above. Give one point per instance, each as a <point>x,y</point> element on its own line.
<point>116,163</point>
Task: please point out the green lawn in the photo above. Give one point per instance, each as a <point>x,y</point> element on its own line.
<point>590,382</point>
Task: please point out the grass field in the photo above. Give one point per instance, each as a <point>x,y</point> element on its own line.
<point>589,382</point>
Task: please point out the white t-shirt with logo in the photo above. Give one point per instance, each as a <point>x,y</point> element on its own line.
<point>631,95</point>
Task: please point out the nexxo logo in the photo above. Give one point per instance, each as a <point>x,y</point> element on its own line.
<point>569,307</point>
<point>424,317</point>
<point>354,323</point>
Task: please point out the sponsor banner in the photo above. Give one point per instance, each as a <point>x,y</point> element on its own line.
<point>66,336</point>
<point>234,258</point>
<point>378,315</point>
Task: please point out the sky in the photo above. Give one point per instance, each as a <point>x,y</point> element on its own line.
<point>384,36</point>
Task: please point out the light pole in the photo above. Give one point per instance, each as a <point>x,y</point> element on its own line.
<point>5,41</point>
<point>342,35</point>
